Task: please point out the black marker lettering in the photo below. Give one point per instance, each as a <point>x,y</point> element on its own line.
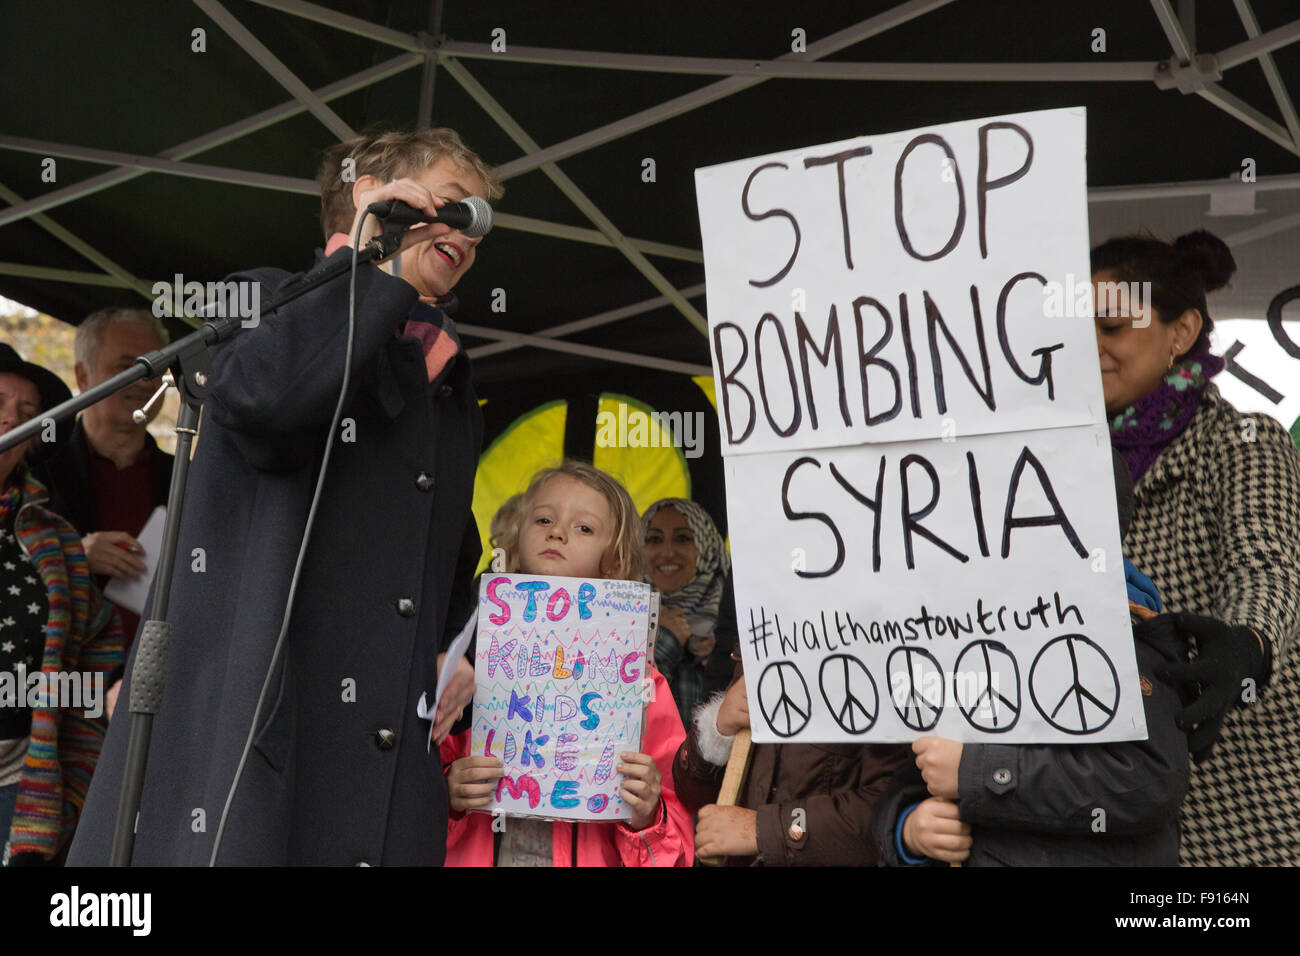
<point>824,518</point>
<point>729,379</point>
<point>866,359</point>
<point>977,506</point>
<point>911,519</point>
<point>983,186</point>
<point>1057,516</point>
<point>1045,353</point>
<point>898,198</point>
<point>759,217</point>
<point>872,504</point>
<point>797,415</point>
<point>1275,320</point>
<point>913,384</point>
<point>934,320</point>
<point>839,160</point>
<point>805,341</point>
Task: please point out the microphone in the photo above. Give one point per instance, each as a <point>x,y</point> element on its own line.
<point>472,216</point>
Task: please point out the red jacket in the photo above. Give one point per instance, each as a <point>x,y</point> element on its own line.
<point>669,841</point>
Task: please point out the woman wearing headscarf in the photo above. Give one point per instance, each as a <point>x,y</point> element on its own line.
<point>53,623</point>
<point>687,560</point>
<point>1217,528</point>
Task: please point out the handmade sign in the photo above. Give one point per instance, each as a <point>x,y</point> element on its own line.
<point>562,682</point>
<point>919,478</point>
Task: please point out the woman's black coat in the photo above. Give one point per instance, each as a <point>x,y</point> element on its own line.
<point>340,772</point>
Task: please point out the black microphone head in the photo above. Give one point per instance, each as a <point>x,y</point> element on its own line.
<point>480,222</point>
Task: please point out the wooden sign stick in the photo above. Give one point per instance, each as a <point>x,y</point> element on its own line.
<point>733,779</point>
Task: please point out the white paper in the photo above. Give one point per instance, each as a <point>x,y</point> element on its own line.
<point>1037,224</point>
<point>797,630</point>
<point>133,593</point>
<point>455,652</point>
<point>954,408</point>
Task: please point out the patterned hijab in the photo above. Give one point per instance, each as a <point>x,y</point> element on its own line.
<point>702,594</point>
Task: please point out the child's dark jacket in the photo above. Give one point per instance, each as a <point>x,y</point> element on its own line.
<point>1086,804</point>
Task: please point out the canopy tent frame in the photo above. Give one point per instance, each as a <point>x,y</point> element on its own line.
<point>1185,70</point>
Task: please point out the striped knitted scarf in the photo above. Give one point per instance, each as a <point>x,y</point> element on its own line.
<point>702,594</point>
<point>83,633</point>
<point>428,324</point>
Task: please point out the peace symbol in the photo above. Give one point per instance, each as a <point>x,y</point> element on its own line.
<point>1082,694</point>
<point>783,698</point>
<point>986,684</point>
<point>850,692</point>
<point>915,686</point>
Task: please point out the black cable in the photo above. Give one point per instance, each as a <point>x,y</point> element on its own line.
<point>302,548</point>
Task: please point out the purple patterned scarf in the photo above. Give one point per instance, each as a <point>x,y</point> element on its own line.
<point>1145,429</point>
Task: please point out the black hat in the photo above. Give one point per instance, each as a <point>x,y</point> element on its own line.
<point>50,386</point>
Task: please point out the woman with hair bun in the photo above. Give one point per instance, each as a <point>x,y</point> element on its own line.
<point>1217,527</point>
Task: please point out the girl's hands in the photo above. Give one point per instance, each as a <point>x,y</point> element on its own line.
<point>933,829</point>
<point>642,785</point>
<point>471,781</point>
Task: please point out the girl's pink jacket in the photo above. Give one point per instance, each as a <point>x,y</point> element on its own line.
<point>669,841</point>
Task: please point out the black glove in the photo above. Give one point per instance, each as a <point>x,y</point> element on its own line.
<point>1228,655</point>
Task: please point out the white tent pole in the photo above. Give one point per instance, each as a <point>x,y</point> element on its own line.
<point>281,73</point>
<point>1230,103</point>
<point>308,187</point>
<point>346,23</point>
<point>1263,230</point>
<point>648,117</point>
<point>61,275</point>
<point>424,113</point>
<point>1248,50</point>
<point>1173,30</point>
<point>81,247</point>
<point>1198,187</point>
<point>1137,71</point>
<point>593,236</point>
<point>1271,74</point>
<point>217,137</point>
<point>1239,109</point>
<point>580,199</point>
<point>591,322</point>
<point>589,351</point>
<point>220,174</point>
<point>678,105</point>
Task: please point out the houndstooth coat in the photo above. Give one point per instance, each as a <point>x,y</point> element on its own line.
<point>1217,527</point>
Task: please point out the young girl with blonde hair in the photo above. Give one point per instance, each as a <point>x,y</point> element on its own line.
<point>576,521</point>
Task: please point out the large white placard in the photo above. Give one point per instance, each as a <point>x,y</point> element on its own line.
<point>919,478</point>
<point>826,330</point>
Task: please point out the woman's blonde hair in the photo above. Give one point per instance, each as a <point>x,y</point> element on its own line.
<point>624,549</point>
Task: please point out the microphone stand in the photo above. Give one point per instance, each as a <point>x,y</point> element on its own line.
<point>189,363</point>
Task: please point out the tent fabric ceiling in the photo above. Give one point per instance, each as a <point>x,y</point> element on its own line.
<point>124,78</point>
